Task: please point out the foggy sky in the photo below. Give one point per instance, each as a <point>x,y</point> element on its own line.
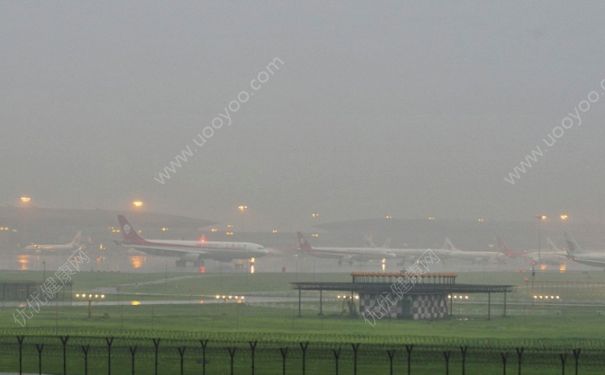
<point>408,109</point>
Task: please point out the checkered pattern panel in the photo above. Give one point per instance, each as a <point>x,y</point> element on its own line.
<point>429,307</point>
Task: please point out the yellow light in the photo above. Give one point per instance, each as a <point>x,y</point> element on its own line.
<point>135,303</point>
<point>164,229</point>
<point>315,235</point>
<point>217,296</point>
<point>77,295</point>
<point>274,231</point>
<point>213,230</point>
<point>25,199</point>
<point>137,203</point>
<point>242,208</point>
<point>102,296</point>
<point>315,215</point>
<point>564,217</point>
<point>542,217</point>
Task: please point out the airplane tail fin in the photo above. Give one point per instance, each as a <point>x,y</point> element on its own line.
<point>572,246</point>
<point>552,245</point>
<point>448,244</point>
<point>129,234</point>
<point>503,248</point>
<point>303,244</point>
<point>77,239</point>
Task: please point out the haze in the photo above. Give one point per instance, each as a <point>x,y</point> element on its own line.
<point>408,109</point>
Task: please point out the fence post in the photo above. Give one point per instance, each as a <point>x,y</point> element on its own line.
<point>232,356</point>
<point>504,356</point>
<point>252,352</point>
<point>156,348</point>
<point>391,354</point>
<point>109,341</point>
<point>408,349</point>
<point>85,349</point>
<point>576,356</point>
<point>355,349</point>
<point>64,340</point>
<point>284,354</point>
<point>519,358</point>
<point>446,356</point>
<point>181,350</point>
<point>133,352</point>
<point>303,347</point>
<point>463,350</point>
<point>204,344</point>
<point>20,342</point>
<point>563,358</point>
<point>39,348</point>
<point>336,353</point>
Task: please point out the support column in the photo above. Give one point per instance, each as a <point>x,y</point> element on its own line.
<point>299,302</point>
<point>489,305</point>
<point>321,306</point>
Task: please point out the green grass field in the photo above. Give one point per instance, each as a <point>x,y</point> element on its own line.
<point>277,325</point>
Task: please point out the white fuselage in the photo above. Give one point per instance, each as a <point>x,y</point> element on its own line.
<point>192,250</point>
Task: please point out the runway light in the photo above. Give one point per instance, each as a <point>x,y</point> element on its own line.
<point>274,231</point>
<point>213,230</point>
<point>564,217</point>
<point>315,235</point>
<point>217,296</point>
<point>242,208</point>
<point>137,203</point>
<point>135,303</point>
<point>388,217</point>
<point>315,215</point>
<point>25,199</point>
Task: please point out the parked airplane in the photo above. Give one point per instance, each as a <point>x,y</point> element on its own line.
<point>449,251</point>
<point>578,255</point>
<point>550,256</point>
<point>74,245</point>
<point>189,251</point>
<point>349,254</point>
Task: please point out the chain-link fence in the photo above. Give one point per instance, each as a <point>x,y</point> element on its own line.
<point>109,355</point>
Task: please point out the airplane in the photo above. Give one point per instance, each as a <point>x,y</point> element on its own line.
<point>577,254</point>
<point>449,251</point>
<point>551,256</point>
<point>74,245</point>
<point>189,251</point>
<point>349,254</point>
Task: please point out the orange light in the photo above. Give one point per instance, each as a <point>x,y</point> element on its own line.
<point>137,261</point>
<point>23,261</point>
<point>25,199</point>
<point>562,268</point>
<point>137,203</point>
